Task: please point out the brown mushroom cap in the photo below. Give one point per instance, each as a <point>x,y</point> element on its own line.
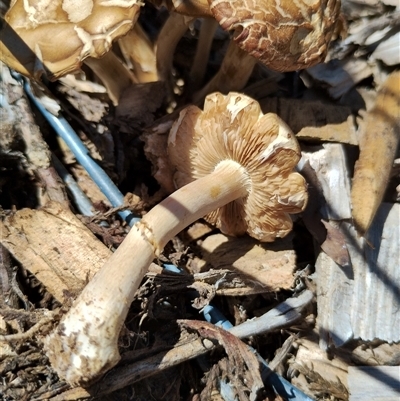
<point>285,35</point>
<point>233,127</point>
<point>62,33</point>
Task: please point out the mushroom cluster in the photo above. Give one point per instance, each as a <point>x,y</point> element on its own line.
<point>235,165</point>
<point>55,37</point>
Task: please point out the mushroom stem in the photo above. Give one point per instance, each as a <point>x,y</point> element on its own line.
<point>199,66</point>
<point>233,74</point>
<point>138,50</point>
<point>112,73</point>
<point>170,34</point>
<point>85,344</point>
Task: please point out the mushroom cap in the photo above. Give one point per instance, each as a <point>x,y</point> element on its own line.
<point>233,127</point>
<point>285,35</point>
<point>55,36</point>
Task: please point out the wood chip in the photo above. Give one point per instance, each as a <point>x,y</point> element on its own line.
<point>55,246</point>
<point>314,120</point>
<point>269,267</point>
<point>317,374</point>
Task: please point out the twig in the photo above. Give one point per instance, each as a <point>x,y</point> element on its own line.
<point>49,317</point>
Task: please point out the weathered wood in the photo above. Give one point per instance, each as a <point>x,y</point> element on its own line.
<point>361,301</point>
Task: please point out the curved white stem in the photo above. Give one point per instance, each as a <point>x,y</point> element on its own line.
<point>85,343</point>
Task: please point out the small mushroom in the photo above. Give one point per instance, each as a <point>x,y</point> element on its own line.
<point>234,165</point>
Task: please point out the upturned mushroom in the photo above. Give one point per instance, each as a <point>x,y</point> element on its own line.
<point>234,165</point>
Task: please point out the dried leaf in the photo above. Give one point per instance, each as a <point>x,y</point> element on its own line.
<point>242,369</point>
<point>335,245</point>
<point>379,138</point>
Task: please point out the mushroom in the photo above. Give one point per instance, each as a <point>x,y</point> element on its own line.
<point>55,37</point>
<point>235,166</point>
<point>199,65</point>
<point>172,31</point>
<point>284,35</point>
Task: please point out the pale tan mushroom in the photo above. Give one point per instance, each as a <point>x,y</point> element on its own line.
<point>54,37</point>
<point>236,166</point>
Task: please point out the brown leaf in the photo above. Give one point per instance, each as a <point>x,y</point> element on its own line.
<point>335,245</point>
<point>379,138</point>
<point>242,369</point>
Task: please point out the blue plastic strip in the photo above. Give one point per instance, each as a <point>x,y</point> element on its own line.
<point>81,153</point>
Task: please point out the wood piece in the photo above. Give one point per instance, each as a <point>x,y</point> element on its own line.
<point>329,163</point>
<point>259,266</point>
<point>374,383</point>
<point>55,246</point>
<point>341,75</point>
<point>361,300</point>
<point>316,372</point>
<point>363,303</point>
